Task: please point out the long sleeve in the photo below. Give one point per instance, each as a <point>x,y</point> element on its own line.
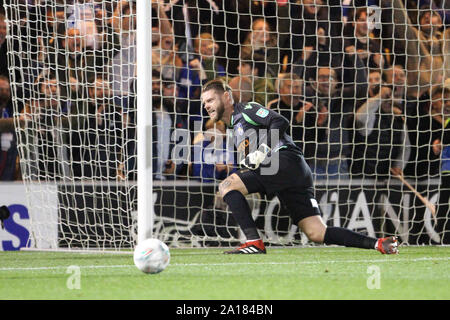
<point>366,114</point>
<point>423,69</point>
<point>266,119</point>
<point>404,152</point>
<point>446,53</point>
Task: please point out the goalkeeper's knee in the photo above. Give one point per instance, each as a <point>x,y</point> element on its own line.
<point>231,183</point>
<point>225,187</point>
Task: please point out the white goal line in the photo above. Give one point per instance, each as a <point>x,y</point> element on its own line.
<point>232,264</point>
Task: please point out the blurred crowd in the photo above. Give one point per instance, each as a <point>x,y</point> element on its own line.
<point>365,84</point>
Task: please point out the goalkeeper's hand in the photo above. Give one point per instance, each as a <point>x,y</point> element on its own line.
<point>255,158</point>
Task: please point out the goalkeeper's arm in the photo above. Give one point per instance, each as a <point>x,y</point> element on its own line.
<point>269,120</point>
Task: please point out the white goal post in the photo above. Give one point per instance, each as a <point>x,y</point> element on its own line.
<point>144,125</point>
<point>114,146</point>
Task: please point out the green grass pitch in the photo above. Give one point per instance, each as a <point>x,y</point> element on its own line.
<point>206,274</point>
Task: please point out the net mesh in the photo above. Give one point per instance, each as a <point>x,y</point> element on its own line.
<point>362,83</point>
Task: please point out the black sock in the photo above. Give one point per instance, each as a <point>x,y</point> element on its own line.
<point>348,238</point>
<point>242,214</point>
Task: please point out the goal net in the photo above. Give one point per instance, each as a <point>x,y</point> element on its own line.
<point>364,85</point>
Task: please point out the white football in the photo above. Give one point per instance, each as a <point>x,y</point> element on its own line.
<point>151,256</point>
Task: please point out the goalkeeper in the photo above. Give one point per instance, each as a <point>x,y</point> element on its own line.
<point>292,182</point>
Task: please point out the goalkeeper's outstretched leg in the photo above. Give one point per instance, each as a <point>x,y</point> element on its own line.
<point>292,181</point>
<point>316,231</point>
<point>233,191</point>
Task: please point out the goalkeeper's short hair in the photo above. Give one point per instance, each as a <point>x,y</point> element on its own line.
<point>218,85</point>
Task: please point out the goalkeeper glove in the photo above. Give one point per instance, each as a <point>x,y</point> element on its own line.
<point>254,159</point>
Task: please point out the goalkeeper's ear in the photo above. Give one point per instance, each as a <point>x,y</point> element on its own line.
<point>228,95</point>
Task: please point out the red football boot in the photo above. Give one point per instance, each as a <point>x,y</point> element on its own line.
<point>250,247</point>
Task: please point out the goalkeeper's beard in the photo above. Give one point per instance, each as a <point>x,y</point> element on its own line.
<point>219,111</point>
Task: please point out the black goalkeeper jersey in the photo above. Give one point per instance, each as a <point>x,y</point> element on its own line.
<point>253,125</point>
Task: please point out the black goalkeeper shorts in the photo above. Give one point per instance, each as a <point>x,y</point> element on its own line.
<point>292,183</point>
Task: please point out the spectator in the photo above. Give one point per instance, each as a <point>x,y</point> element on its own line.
<point>235,26</point>
<point>375,79</point>
<point>165,57</point>
<point>74,67</point>
<point>439,105</point>
<point>425,71</point>
<point>3,47</point>
<point>417,114</point>
<point>161,24</point>
<point>169,93</point>
<point>166,60</point>
<point>350,5</point>
<point>103,13</point>
<point>2,29</point>
<point>325,126</point>
<point>242,89</point>
<point>261,44</point>
<point>431,128</point>
<point>381,139</point>
<point>41,116</point>
<point>317,36</point>
<point>396,76</point>
<point>200,69</point>
<point>5,97</point>
<point>23,71</point>
<point>207,49</point>
<point>424,68</point>
<point>441,147</point>
<point>51,16</point>
<point>431,29</point>
<point>172,103</point>
<point>309,21</point>
<point>8,143</point>
<point>168,64</point>
<point>290,90</point>
<point>107,41</point>
<point>122,69</point>
<point>263,87</point>
<point>99,142</point>
<point>162,129</point>
<point>82,17</point>
<point>212,159</point>
<point>442,6</point>
<point>360,40</point>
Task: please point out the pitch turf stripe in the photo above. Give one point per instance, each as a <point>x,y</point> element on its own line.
<point>278,250</point>
<point>65,267</point>
<point>232,264</point>
<point>310,262</point>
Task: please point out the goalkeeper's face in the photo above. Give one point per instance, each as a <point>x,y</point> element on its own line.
<point>214,104</point>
